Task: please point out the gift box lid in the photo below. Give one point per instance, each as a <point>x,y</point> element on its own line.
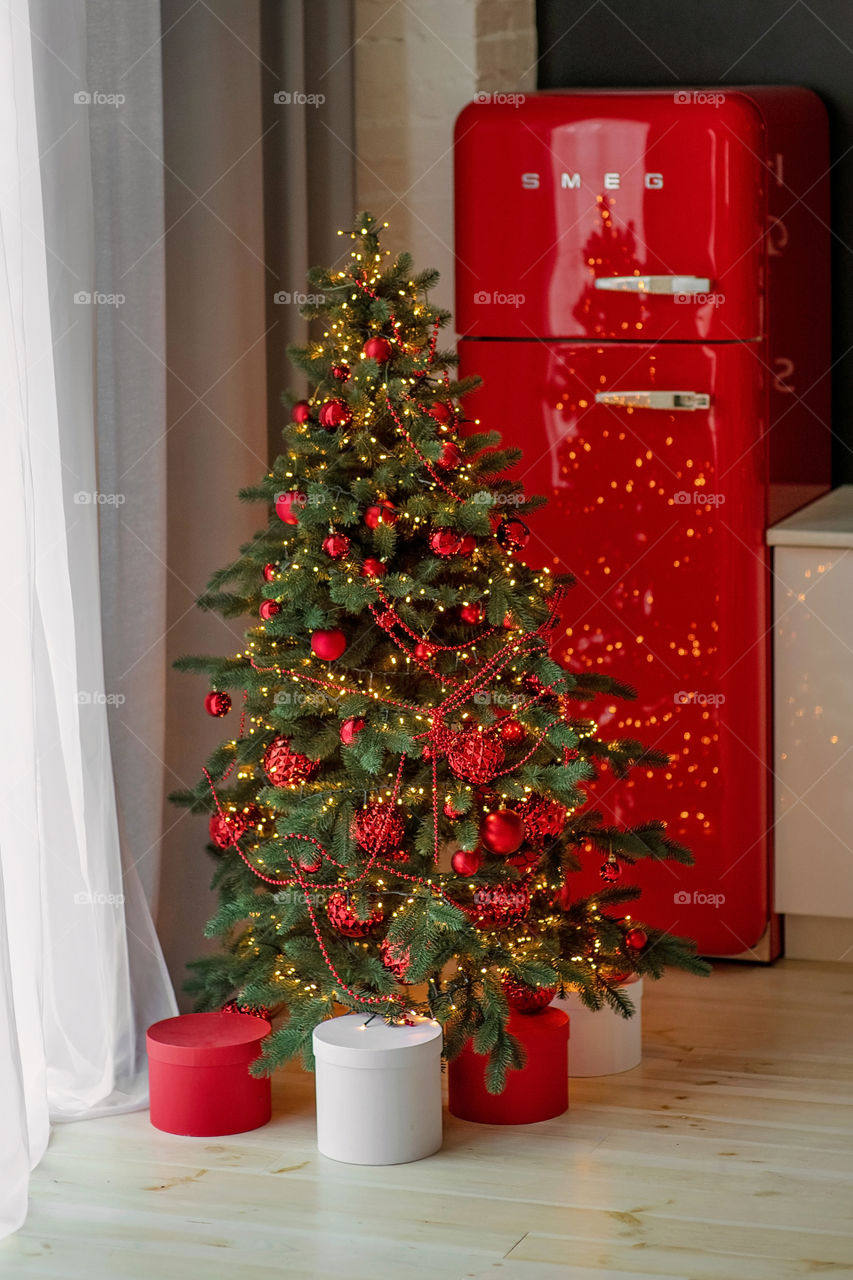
<point>546,1023</point>
<point>360,1040</point>
<point>207,1039</point>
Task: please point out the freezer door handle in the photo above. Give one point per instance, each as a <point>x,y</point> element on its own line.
<point>654,284</point>
<point>654,399</point>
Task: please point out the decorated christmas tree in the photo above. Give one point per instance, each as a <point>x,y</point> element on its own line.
<point>396,820</point>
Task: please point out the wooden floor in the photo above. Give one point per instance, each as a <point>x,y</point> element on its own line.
<point>727,1154</point>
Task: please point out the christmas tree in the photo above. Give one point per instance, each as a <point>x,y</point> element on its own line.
<point>396,821</point>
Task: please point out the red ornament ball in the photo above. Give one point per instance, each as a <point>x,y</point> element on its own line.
<point>269,571</point>
<point>217,703</point>
<point>328,645</point>
<point>543,819</point>
<point>341,372</point>
<point>378,828</point>
<point>350,729</point>
<point>378,349</point>
<point>450,810</point>
<point>526,859</point>
<point>284,504</point>
<point>444,542</point>
<point>380,513</point>
<point>284,767</point>
<point>502,831</point>
<point>636,938</point>
<point>526,999</point>
<point>467,545</point>
<point>226,828</point>
<point>512,534</point>
<point>611,871</point>
<point>344,919</point>
<point>301,411</point>
<point>336,545</point>
<point>450,456</point>
<point>441,411</point>
<point>474,756</point>
<point>508,622</point>
<point>499,906</point>
<point>335,413</point>
<point>396,958</point>
<point>466,862</point>
<point>512,731</point>
<point>424,651</point>
<point>269,609</point>
<point>253,1010</point>
<point>373,568</point>
<point>473,614</point>
<point>310,861</point>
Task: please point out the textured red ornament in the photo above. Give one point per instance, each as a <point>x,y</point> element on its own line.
<point>467,545</point>
<point>472,613</point>
<point>310,861</point>
<point>466,862</point>
<point>269,571</point>
<point>377,828</point>
<point>283,766</point>
<point>611,871</point>
<point>502,831</point>
<point>543,819</point>
<point>526,858</point>
<point>524,998</point>
<point>508,622</point>
<point>217,703</point>
<point>396,957</point>
<point>328,645</point>
<point>378,349</point>
<point>343,918</point>
<point>336,545</point>
<point>636,938</point>
<point>254,1010</point>
<point>269,609</point>
<point>335,413</point>
<point>341,372</point>
<point>301,411</point>
<point>512,534</point>
<point>424,651</point>
<point>441,411</point>
<point>351,728</point>
<point>225,829</point>
<point>444,542</point>
<point>511,731</point>
<point>450,456</point>
<point>373,568</point>
<point>499,906</point>
<point>284,505</point>
<point>450,811</point>
<point>380,513</point>
<point>474,756</point>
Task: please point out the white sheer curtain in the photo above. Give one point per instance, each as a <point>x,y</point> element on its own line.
<point>81,973</point>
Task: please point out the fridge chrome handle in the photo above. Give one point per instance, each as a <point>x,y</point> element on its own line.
<point>654,284</point>
<point>654,399</point>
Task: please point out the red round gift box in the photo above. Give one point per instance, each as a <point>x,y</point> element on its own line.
<point>198,1071</point>
<point>538,1091</point>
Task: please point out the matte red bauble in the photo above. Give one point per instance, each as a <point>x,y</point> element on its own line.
<point>450,456</point>
<point>511,731</point>
<point>467,545</point>
<point>466,862</point>
<point>284,504</point>
<point>512,534</point>
<point>284,767</point>
<point>328,645</point>
<point>380,513</point>
<point>373,568</point>
<point>543,819</point>
<point>377,828</point>
<point>378,349</point>
<point>301,411</point>
<point>525,999</point>
<point>269,571</point>
<point>610,871</point>
<point>636,938</point>
<point>424,651</point>
<point>350,729</point>
<point>499,906</point>
<point>217,703</point>
<point>502,831</point>
<point>396,957</point>
<point>441,411</point>
<point>336,545</point>
<point>343,918</point>
<point>472,613</point>
<point>269,609</point>
<point>444,542</point>
<point>474,756</point>
<point>335,413</point>
<point>341,372</point>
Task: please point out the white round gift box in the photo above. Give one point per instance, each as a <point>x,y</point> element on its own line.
<point>604,1043</point>
<point>378,1089</point>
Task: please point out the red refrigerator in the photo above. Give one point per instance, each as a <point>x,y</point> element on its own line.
<point>642,282</point>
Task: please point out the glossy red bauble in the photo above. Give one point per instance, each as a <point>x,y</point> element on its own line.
<point>441,411</point>
<point>466,862</point>
<point>526,999</point>
<point>284,504</point>
<point>373,568</point>
<point>310,861</point>
<point>502,831</point>
<point>472,613</point>
<point>512,731</point>
<point>512,534</point>
<point>450,456</point>
<point>301,411</point>
<point>269,571</point>
<point>335,413</point>
<point>636,939</point>
<point>508,622</point>
<point>350,729</point>
<point>341,372</point>
<point>380,513</point>
<point>336,545</point>
<point>444,542</point>
<point>526,859</point>
<point>217,703</point>
<point>610,871</point>
<point>344,919</point>
<point>378,349</point>
<point>268,609</point>
<point>285,767</point>
<point>474,756</point>
<point>328,645</point>
<point>467,545</point>
<point>378,828</point>
<point>424,651</point>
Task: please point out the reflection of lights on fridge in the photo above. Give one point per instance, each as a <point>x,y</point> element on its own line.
<point>642,282</point>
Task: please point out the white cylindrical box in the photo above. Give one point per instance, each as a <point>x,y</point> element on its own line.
<point>604,1043</point>
<point>378,1089</point>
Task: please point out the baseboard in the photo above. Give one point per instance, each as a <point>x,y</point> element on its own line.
<point>819,938</point>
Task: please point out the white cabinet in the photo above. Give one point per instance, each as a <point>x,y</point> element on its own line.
<point>813,696</point>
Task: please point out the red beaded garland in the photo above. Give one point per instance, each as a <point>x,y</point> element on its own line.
<point>424,651</point>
